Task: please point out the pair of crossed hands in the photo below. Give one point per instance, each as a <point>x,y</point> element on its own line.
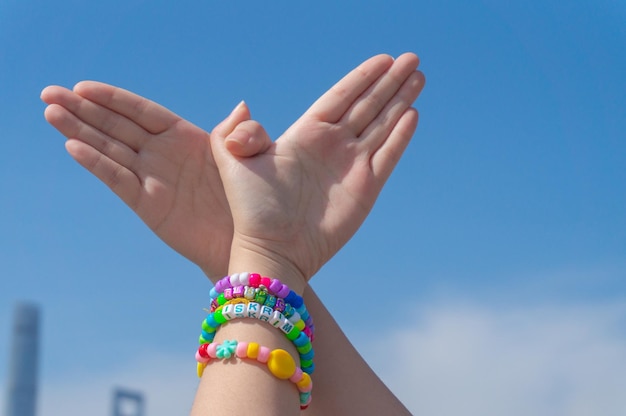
<point>234,200</point>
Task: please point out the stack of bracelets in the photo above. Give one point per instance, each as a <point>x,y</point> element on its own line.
<point>250,295</point>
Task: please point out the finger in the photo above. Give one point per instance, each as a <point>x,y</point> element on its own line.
<point>371,102</point>
<point>385,159</point>
<point>72,128</point>
<point>239,114</point>
<point>331,106</point>
<point>147,114</point>
<point>248,139</point>
<point>108,122</point>
<point>118,178</point>
<point>380,128</point>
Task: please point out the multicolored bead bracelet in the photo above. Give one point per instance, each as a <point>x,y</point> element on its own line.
<point>263,297</point>
<point>279,362</point>
<point>245,309</point>
<point>261,289</point>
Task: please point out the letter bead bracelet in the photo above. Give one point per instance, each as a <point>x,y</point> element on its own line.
<point>279,362</point>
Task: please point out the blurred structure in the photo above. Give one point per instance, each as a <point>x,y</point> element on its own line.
<point>23,367</point>
<point>127,403</point>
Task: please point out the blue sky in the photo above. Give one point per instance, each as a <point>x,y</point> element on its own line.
<point>504,226</point>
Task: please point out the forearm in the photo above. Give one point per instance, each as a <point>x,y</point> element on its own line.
<point>344,384</point>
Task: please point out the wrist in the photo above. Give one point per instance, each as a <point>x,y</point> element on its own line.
<point>246,257</point>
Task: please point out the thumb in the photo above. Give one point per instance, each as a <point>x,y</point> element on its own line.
<point>248,139</point>
<point>239,114</point>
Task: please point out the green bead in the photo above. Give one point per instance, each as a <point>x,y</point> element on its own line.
<point>219,317</point>
<point>221,299</point>
<point>306,363</point>
<point>207,327</point>
<point>293,334</point>
<point>305,348</point>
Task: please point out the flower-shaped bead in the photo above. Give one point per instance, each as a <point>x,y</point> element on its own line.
<point>227,349</point>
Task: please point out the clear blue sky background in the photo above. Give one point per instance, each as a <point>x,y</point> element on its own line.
<point>502,231</point>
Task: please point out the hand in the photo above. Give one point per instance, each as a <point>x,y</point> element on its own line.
<point>298,201</point>
<point>160,165</point>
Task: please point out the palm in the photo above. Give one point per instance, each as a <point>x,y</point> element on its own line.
<point>156,162</point>
<point>305,196</point>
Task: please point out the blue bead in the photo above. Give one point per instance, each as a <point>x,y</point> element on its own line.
<point>307,356</point>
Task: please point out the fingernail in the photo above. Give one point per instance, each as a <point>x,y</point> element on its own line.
<point>241,104</point>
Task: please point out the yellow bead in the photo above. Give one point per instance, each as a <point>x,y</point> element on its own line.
<point>300,325</point>
<point>253,350</point>
<point>305,382</point>
<point>200,369</point>
<point>281,364</point>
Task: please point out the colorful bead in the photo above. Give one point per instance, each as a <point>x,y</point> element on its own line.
<point>265,314</point>
<point>249,293</point>
<point>283,291</point>
<point>260,296</point>
<point>280,304</point>
<point>244,279</point>
<point>253,350</point>
<point>234,280</point>
<point>238,291</point>
<point>242,350</point>
<point>226,349</point>
<point>254,310</point>
<point>275,286</point>
<point>266,281</point>
<point>255,279</point>
<point>219,317</point>
<point>270,301</point>
<point>281,364</point>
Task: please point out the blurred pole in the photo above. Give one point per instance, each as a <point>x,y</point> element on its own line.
<point>22,381</point>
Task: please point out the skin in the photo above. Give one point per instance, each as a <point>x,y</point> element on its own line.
<point>317,183</point>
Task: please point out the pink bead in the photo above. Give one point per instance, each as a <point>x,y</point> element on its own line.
<point>242,350</point>
<point>212,350</point>
<point>307,331</point>
<point>238,291</point>
<point>266,281</point>
<point>296,376</point>
<point>201,359</point>
<point>255,279</point>
<point>264,354</point>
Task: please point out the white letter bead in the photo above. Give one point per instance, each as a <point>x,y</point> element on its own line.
<point>240,310</point>
<point>286,326</point>
<point>249,293</point>
<point>276,319</point>
<point>253,310</point>
<point>266,313</point>
<point>228,312</point>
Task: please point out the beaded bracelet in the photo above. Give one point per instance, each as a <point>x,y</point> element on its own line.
<point>240,285</point>
<point>293,332</point>
<point>280,363</point>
